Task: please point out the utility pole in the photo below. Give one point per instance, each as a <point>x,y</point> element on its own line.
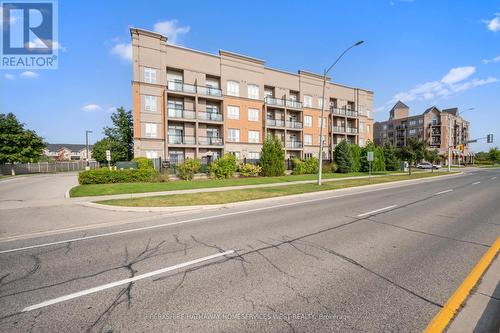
<point>87,147</point>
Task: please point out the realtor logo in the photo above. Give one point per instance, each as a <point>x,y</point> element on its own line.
<point>29,35</point>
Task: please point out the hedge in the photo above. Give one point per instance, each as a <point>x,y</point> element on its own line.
<point>106,176</point>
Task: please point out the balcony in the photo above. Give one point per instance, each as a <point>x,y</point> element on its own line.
<point>290,103</point>
<point>210,116</point>
<point>274,101</point>
<point>294,144</point>
<point>351,130</point>
<point>275,123</point>
<point>209,91</point>
<point>182,87</point>
<point>175,139</point>
<point>210,141</point>
<point>338,129</point>
<point>181,114</point>
<point>294,124</point>
<point>344,112</point>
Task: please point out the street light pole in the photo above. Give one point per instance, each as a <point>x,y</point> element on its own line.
<point>322,121</point>
<point>87,146</point>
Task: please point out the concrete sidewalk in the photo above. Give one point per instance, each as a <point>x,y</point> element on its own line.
<point>481,312</point>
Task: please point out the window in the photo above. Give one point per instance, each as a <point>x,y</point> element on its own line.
<point>308,155</point>
<point>421,121</point>
<point>253,114</point>
<point>308,101</point>
<point>151,130</point>
<point>413,131</point>
<point>149,75</point>
<point>361,127</point>
<point>150,103</point>
<point>308,121</point>
<point>253,136</point>
<point>413,122</point>
<point>308,139</point>
<point>361,142</point>
<point>253,155</point>
<point>385,127</point>
<point>212,108</point>
<point>253,91</point>
<point>151,154</point>
<point>234,135</point>
<point>320,102</point>
<point>212,82</point>
<point>322,123</point>
<point>233,112</point>
<point>235,154</point>
<point>233,88</point>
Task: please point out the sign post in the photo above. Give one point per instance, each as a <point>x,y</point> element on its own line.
<point>369,157</point>
<point>108,157</point>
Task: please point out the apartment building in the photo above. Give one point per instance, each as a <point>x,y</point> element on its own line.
<point>189,103</point>
<point>433,126</point>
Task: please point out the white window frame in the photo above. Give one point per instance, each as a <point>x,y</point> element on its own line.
<point>253,114</point>
<point>233,135</point>
<point>150,133</point>
<point>253,91</point>
<point>308,139</point>
<point>308,121</point>
<point>233,88</point>
<point>150,103</point>
<point>149,75</point>
<point>308,101</point>
<point>233,112</point>
<point>253,136</point>
<point>151,154</point>
<point>253,155</point>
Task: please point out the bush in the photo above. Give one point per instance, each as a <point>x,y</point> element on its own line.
<point>223,167</point>
<point>329,168</point>
<point>311,165</point>
<point>378,163</point>
<point>188,168</point>
<point>161,177</point>
<point>143,163</point>
<point>272,157</point>
<point>356,158</point>
<point>249,170</point>
<point>299,166</point>
<point>390,157</point>
<point>106,176</point>
<point>343,157</point>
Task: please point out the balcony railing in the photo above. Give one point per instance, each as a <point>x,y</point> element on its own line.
<point>338,129</point>
<point>294,124</point>
<point>192,89</point>
<point>294,144</point>
<point>181,113</point>
<point>274,101</point>
<point>212,116</point>
<point>275,123</point>
<point>209,91</point>
<point>175,139</point>
<point>351,130</point>
<point>293,104</point>
<point>210,141</point>
<point>344,112</point>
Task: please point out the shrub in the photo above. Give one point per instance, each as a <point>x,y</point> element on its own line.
<point>329,167</point>
<point>343,157</point>
<point>390,157</point>
<point>272,157</point>
<point>223,167</point>
<point>311,165</point>
<point>356,158</point>
<point>378,163</point>
<point>143,163</point>
<point>299,166</point>
<point>161,177</point>
<point>106,176</point>
<point>250,170</point>
<point>188,168</point>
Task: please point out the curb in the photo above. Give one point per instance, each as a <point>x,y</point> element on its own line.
<point>456,301</point>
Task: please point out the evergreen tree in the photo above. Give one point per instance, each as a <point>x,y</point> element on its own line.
<point>343,157</point>
<point>356,158</point>
<point>122,135</point>
<point>390,157</point>
<point>272,157</point>
<point>18,144</point>
<point>378,163</point>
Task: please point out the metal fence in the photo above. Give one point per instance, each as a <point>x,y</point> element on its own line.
<point>45,167</point>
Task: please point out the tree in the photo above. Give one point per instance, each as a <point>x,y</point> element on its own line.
<point>272,157</point>
<point>122,135</point>
<point>343,157</point>
<point>378,163</point>
<point>494,155</point>
<point>390,157</point>
<point>356,158</point>
<point>18,144</point>
<point>100,147</point>
<point>432,155</point>
<point>413,152</point>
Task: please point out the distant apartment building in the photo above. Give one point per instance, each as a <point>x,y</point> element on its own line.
<point>189,104</point>
<point>67,151</point>
<point>433,126</point>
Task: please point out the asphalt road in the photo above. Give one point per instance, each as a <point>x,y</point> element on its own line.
<point>378,259</point>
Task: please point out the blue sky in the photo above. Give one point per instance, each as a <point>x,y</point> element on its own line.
<point>444,53</point>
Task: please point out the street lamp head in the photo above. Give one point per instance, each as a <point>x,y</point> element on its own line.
<point>359,43</point>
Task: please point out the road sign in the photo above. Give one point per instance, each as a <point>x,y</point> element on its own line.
<point>108,155</point>
<point>489,138</point>
<point>460,147</point>
<point>369,156</point>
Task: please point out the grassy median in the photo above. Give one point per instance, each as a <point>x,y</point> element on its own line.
<point>210,198</point>
<point>127,188</point>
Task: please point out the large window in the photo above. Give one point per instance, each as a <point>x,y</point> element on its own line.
<point>253,91</point>
<point>253,136</point>
<point>308,101</point>
<point>233,135</point>
<point>308,121</point>
<point>233,112</point>
<point>308,139</point>
<point>253,155</point>
<point>233,88</point>
<point>253,114</point>
<point>151,130</point>
<point>149,75</point>
<point>150,103</point>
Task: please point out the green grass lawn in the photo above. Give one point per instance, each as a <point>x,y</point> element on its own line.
<point>126,188</point>
<point>210,198</point>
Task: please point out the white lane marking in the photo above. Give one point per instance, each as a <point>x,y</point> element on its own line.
<point>124,281</point>
<point>476,183</point>
<point>376,210</point>
<point>472,174</point>
<point>493,178</point>
<point>443,192</point>
<point>391,185</point>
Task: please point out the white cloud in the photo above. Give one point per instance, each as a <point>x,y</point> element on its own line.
<point>9,76</point>
<point>29,75</point>
<point>171,29</point>
<point>489,61</point>
<point>123,50</point>
<point>38,43</point>
<point>454,82</point>
<point>111,109</point>
<point>91,108</point>
<point>494,23</point>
